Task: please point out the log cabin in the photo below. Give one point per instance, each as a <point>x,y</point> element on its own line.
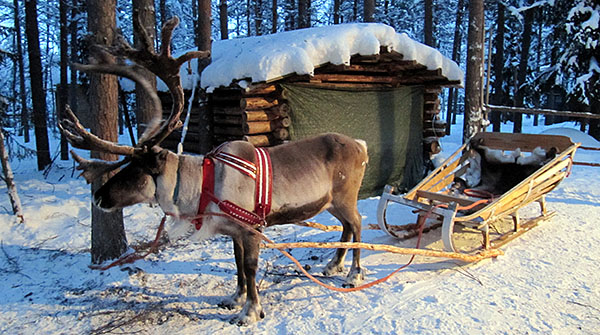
<point>362,80</point>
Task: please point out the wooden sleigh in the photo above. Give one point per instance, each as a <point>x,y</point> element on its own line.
<point>432,198</point>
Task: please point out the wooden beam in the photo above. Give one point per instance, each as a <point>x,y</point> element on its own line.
<point>262,89</point>
<point>469,258</point>
<point>352,78</point>
<point>229,131</point>
<point>542,111</point>
<point>263,140</point>
<point>258,103</point>
<point>281,134</point>
<point>264,115</point>
<point>228,119</point>
<point>227,110</point>
<point>260,127</point>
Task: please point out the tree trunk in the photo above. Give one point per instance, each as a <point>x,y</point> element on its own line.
<point>248,4</point>
<point>13,195</point>
<point>73,30</point>
<point>304,14</point>
<point>258,17</point>
<point>143,10</point>
<point>522,72</point>
<point>369,11</point>
<point>204,43</point>
<point>451,110</point>
<point>498,57</point>
<point>223,20</point>
<point>274,15</point>
<point>22,93</point>
<point>108,234</point>
<point>38,95</point>
<point>290,16</point>
<point>63,89</point>
<point>428,27</point>
<point>336,11</point>
<point>125,109</point>
<point>473,120</point>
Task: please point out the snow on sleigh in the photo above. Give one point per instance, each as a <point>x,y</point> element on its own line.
<point>505,171</point>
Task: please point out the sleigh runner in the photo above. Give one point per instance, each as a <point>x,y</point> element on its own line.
<point>433,197</point>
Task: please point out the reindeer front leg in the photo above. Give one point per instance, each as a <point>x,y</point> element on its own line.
<point>252,310</point>
<point>237,299</point>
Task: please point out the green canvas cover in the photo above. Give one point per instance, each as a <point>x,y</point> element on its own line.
<point>390,121</point>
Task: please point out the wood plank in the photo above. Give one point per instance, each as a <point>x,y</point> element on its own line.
<point>228,119</point>
<point>262,89</point>
<point>525,227</point>
<point>526,142</point>
<point>445,198</point>
<point>388,248</point>
<point>263,140</point>
<point>437,174</point>
<point>230,131</point>
<point>542,111</point>
<point>353,78</point>
<point>228,110</point>
<point>258,103</point>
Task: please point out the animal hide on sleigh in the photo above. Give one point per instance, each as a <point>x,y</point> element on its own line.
<point>497,171</point>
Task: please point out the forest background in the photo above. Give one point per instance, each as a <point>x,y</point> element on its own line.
<point>543,53</point>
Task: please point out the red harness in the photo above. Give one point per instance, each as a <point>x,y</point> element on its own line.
<point>261,172</point>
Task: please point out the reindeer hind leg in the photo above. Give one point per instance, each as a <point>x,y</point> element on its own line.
<point>336,265</point>
<point>357,273</point>
<point>351,222</point>
<point>237,299</point>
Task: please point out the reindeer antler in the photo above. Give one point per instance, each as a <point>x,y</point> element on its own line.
<point>82,139</point>
<point>94,168</point>
<point>111,60</point>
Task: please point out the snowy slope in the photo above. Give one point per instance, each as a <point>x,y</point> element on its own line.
<point>546,282</point>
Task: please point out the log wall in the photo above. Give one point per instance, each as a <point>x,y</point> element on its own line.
<point>259,115</point>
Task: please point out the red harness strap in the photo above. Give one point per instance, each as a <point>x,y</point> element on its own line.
<point>261,172</point>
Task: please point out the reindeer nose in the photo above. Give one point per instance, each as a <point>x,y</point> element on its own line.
<point>98,201</point>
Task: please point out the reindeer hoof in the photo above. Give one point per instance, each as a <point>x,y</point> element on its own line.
<point>333,269</point>
<point>249,315</point>
<point>355,277</point>
<point>233,302</point>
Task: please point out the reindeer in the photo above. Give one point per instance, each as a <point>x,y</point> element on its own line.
<point>308,176</point>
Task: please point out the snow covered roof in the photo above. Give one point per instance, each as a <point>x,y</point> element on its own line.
<point>270,57</point>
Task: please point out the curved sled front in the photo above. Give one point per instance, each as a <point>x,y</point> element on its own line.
<point>433,197</point>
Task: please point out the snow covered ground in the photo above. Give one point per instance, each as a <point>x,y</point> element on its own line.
<point>547,281</point>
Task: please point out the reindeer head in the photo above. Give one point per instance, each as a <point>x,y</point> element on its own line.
<point>136,182</point>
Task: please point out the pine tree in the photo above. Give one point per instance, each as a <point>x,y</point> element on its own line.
<point>38,95</point>
<point>473,121</point>
<point>108,233</point>
<point>579,60</point>
<point>22,96</point>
